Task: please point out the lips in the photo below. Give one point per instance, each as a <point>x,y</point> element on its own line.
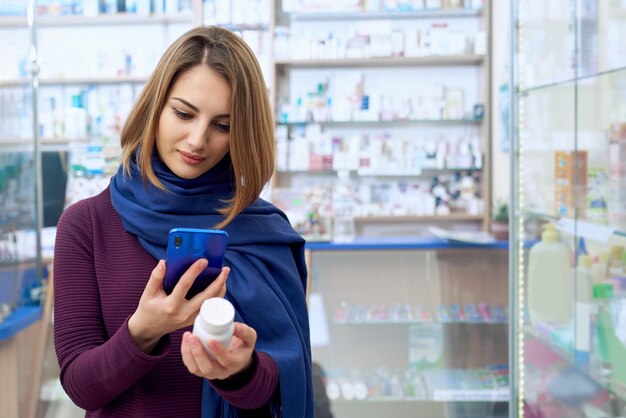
<point>191,158</point>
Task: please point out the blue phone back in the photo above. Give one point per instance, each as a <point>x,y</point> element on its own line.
<point>186,245</point>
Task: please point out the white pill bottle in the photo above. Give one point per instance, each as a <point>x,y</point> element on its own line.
<point>216,321</point>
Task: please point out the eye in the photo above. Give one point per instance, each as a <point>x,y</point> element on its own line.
<point>222,127</point>
<point>182,115</point>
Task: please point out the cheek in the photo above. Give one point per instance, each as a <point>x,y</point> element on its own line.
<point>168,131</point>
<point>223,143</point>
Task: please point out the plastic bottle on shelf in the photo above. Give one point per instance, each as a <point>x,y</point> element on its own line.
<point>602,328</point>
<point>343,208</point>
<point>599,269</point>
<point>215,322</point>
<point>616,201</point>
<point>615,265</point>
<point>581,248</point>
<point>549,274</point>
<point>584,298</point>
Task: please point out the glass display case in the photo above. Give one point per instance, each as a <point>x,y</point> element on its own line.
<point>18,193</point>
<point>569,224</point>
<point>21,272</point>
<point>413,327</point>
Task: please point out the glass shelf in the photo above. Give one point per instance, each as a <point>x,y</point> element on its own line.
<point>582,228</point>
<point>78,81</point>
<point>387,123</point>
<point>376,323</point>
<point>569,82</point>
<point>438,60</point>
<point>234,27</point>
<point>412,15</point>
<point>566,354</point>
<point>390,173</point>
<point>445,396</point>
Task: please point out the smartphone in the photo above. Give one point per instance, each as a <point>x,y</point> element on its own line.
<point>184,247</point>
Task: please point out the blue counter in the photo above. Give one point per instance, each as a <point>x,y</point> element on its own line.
<point>402,243</point>
<point>18,320</point>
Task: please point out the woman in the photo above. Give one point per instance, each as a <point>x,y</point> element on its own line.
<point>197,149</point>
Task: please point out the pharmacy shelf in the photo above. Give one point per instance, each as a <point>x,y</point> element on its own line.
<point>469,395</point>
<point>566,355</point>
<point>582,228</point>
<point>100,20</point>
<point>380,173</point>
<point>442,218</point>
<point>386,123</point>
<point>93,80</point>
<point>409,172</point>
<point>412,15</point>
<point>428,61</point>
<point>13,21</point>
<point>28,141</point>
<point>18,82</point>
<point>234,27</point>
<point>47,144</point>
<point>413,323</point>
<point>77,81</point>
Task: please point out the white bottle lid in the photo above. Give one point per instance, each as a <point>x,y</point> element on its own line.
<point>217,315</point>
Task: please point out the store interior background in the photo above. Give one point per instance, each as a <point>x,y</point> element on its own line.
<point>346,353</point>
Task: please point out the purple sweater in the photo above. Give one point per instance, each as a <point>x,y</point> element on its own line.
<point>100,272</point>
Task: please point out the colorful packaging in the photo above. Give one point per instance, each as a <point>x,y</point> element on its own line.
<point>570,189</point>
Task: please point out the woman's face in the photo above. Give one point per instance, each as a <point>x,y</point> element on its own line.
<point>193,132</point>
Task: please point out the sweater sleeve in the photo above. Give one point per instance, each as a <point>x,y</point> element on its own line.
<point>252,388</point>
<point>95,368</point>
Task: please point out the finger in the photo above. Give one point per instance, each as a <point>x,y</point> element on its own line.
<point>216,289</point>
<point>188,357</point>
<point>187,279</point>
<point>245,333</point>
<point>155,282</point>
<point>207,367</point>
<point>230,362</point>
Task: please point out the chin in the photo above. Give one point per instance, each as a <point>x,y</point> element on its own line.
<point>187,174</point>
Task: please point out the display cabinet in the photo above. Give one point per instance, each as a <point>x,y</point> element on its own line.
<point>409,327</point>
<point>21,276</point>
<point>569,229</point>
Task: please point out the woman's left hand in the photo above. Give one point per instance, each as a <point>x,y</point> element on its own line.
<point>225,362</point>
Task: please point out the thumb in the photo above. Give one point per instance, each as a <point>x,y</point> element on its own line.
<point>245,333</point>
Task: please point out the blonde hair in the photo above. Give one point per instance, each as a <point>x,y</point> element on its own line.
<point>251,122</point>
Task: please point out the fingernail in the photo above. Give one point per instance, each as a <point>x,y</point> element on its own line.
<point>161,265</point>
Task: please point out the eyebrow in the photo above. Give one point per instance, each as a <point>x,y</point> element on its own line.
<point>195,109</point>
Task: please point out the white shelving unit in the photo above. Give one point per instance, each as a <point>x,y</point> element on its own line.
<point>414,70</point>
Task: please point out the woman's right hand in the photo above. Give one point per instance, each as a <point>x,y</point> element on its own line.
<point>159,314</point>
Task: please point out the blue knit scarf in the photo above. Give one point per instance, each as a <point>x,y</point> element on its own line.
<point>267,281</point>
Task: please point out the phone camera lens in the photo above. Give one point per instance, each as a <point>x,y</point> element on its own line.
<point>178,240</point>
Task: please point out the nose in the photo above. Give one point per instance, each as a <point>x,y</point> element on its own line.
<point>198,137</point>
